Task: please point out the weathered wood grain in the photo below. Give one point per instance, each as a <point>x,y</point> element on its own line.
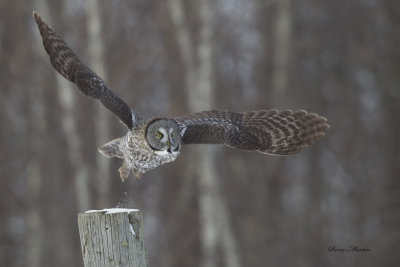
<point>112,237</point>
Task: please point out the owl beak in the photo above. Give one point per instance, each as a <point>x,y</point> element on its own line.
<point>169,146</point>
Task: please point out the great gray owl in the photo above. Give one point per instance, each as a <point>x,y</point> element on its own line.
<point>153,142</point>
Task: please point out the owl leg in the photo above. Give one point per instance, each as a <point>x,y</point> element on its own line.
<point>124,171</point>
<point>137,174</point>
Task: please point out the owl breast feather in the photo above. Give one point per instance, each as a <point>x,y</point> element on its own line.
<point>140,157</point>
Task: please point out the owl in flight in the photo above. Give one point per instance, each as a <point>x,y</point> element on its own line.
<point>153,142</point>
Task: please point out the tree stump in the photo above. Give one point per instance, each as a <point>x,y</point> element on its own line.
<point>112,237</point>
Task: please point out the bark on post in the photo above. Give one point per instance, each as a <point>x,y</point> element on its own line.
<point>112,237</point>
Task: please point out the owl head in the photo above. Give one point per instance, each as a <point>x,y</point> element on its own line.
<point>163,136</point>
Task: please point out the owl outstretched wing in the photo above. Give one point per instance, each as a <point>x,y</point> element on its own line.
<point>268,131</point>
<point>68,65</point>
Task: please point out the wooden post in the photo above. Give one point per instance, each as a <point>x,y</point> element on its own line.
<point>112,237</point>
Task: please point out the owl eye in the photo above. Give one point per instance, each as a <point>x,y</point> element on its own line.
<point>159,135</point>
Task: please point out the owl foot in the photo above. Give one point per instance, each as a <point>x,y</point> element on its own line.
<point>124,172</point>
<point>137,175</point>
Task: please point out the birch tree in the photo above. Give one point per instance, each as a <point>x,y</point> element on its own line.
<point>66,96</point>
<point>282,46</point>
<point>34,228</point>
<point>214,221</point>
<point>96,62</point>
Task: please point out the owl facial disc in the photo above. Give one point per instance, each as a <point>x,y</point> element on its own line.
<point>163,136</point>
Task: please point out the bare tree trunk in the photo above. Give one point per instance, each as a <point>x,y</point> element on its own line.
<point>66,97</point>
<point>184,42</point>
<point>282,37</point>
<point>214,219</point>
<point>200,99</point>
<point>34,230</point>
<point>96,52</point>
<point>282,32</point>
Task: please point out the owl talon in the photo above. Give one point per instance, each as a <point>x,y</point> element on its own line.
<point>124,172</point>
<point>137,175</point>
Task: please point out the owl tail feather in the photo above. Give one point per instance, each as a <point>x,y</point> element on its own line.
<point>112,149</point>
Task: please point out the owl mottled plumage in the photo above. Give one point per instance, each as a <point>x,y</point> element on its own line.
<point>153,142</point>
<point>68,65</point>
<point>268,131</point>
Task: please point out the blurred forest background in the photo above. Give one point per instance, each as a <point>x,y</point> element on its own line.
<point>214,206</point>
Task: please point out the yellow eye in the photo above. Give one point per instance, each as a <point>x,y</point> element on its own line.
<point>159,135</point>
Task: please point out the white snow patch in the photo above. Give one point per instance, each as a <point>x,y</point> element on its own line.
<point>113,210</point>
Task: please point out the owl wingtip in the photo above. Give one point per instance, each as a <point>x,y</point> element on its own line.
<point>328,126</point>
<point>325,124</point>
<point>36,16</point>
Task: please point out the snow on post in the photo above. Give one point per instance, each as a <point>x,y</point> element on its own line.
<point>112,237</point>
